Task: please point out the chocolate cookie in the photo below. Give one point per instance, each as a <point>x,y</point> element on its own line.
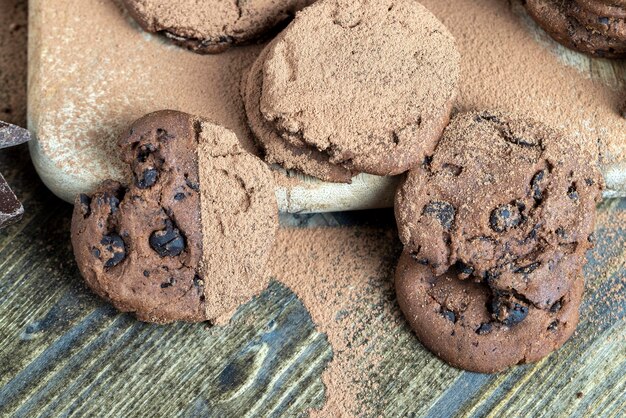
<point>212,26</point>
<point>370,84</point>
<point>610,26</point>
<point>188,237</point>
<point>504,200</point>
<point>276,149</point>
<point>469,326</point>
<point>554,16</point>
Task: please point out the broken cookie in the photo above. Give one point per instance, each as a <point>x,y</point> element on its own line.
<point>188,237</point>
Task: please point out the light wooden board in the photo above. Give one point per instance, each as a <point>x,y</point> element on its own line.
<point>64,352</point>
<point>93,71</point>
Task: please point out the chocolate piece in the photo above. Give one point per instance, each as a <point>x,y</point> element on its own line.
<point>11,135</point>
<point>11,210</point>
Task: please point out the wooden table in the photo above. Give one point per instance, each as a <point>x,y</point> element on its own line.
<point>63,352</point>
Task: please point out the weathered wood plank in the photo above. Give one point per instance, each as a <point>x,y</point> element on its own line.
<point>63,352</point>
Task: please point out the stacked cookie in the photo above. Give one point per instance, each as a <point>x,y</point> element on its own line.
<point>595,27</point>
<point>496,224</point>
<point>353,86</point>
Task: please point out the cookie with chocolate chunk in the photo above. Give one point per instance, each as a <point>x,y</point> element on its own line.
<point>507,201</point>
<point>212,26</point>
<point>473,327</point>
<point>360,86</point>
<point>188,237</point>
<point>555,17</point>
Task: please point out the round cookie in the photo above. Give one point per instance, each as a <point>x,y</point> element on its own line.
<point>369,83</point>
<point>553,16</point>
<point>508,201</point>
<point>187,239</point>
<point>302,158</point>
<point>468,326</point>
<point>212,26</point>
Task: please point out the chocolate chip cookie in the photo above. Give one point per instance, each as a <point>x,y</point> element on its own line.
<point>212,26</point>
<point>369,85</point>
<point>556,18</point>
<point>188,237</point>
<point>506,201</point>
<point>472,327</point>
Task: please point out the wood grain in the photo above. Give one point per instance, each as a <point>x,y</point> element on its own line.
<point>63,352</point>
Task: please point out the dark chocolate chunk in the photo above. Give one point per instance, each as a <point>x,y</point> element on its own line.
<point>537,185</point>
<point>85,205</point>
<point>507,310</point>
<point>179,196</point>
<point>449,315</point>
<point>168,242</point>
<point>11,135</point>
<point>506,217</point>
<point>443,211</point>
<point>572,193</point>
<point>114,248</point>
<point>484,329</point>
<point>553,326</point>
<point>11,209</point>
<point>528,269</point>
<point>148,178</point>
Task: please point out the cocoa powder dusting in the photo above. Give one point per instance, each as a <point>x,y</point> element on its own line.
<point>344,277</point>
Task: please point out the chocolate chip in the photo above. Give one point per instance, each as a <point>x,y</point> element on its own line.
<point>506,217</point>
<point>169,283</point>
<point>484,329</point>
<point>144,152</point>
<point>85,205</point>
<point>96,252</point>
<point>556,306</point>
<point>415,256</point>
<point>179,196</point>
<point>537,185</point>
<point>148,178</point>
<point>572,193</point>
<point>603,20</point>
<point>192,185</point>
<point>589,182</point>
<point>449,315</point>
<point>560,232</point>
<point>443,211</point>
<point>115,249</point>
<point>168,242</point>
<point>464,269</point>
<point>506,310</point>
<point>553,326</point>
<point>146,273</point>
<point>528,269</point>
